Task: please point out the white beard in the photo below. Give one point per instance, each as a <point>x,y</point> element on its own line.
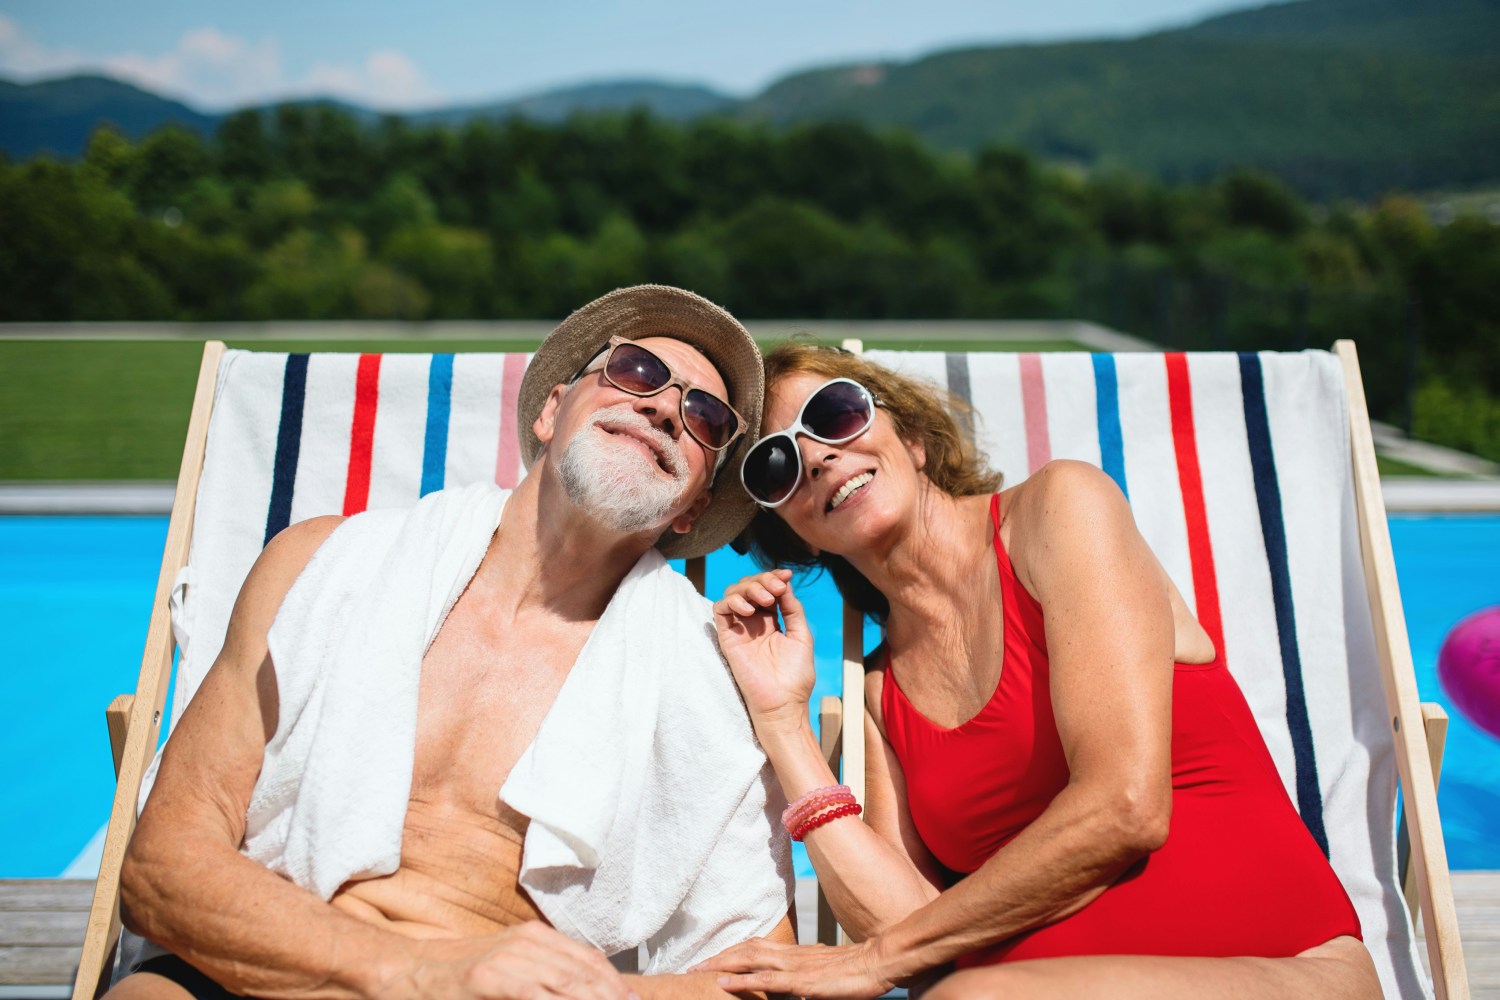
<point>616,484</point>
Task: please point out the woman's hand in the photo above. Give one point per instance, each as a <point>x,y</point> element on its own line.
<point>773,668</point>
<point>801,970</point>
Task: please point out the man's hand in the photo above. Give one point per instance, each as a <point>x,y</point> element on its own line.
<point>530,961</point>
<point>853,971</point>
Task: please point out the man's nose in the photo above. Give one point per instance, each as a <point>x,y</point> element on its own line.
<point>661,409</point>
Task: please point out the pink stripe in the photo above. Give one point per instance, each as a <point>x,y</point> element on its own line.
<point>508,459</point>
<point>1034,403</point>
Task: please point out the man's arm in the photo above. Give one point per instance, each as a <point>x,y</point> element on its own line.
<point>186,886</point>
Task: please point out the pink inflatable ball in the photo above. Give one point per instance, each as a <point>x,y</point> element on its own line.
<point>1469,668</point>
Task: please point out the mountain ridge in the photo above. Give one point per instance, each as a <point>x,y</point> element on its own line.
<point>1336,96</point>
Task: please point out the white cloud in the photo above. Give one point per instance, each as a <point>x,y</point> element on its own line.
<point>212,69</point>
<point>388,79</point>
<point>23,57</point>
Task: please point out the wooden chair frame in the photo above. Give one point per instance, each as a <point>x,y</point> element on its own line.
<point>135,721</point>
<point>1418,730</point>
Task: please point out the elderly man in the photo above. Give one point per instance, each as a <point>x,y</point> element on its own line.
<point>467,749</point>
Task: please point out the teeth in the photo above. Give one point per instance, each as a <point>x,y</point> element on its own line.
<point>848,488</point>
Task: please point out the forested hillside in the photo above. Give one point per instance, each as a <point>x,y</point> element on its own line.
<point>1337,97</point>
<point>305,214</point>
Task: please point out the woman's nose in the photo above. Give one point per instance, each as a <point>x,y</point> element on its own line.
<point>815,455</point>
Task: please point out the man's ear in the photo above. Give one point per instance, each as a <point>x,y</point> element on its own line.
<point>545,424</point>
<point>683,523</point>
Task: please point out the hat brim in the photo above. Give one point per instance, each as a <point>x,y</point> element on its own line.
<point>659,311</point>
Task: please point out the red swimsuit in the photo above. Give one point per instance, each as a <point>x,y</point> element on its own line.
<point>1238,875</point>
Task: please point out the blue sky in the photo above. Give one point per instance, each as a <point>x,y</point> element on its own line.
<point>397,54</point>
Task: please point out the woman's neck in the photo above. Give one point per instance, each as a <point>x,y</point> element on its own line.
<point>929,574</point>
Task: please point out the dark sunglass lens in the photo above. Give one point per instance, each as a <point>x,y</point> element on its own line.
<point>636,369</point>
<point>770,469</point>
<point>709,418</point>
<point>837,411</point>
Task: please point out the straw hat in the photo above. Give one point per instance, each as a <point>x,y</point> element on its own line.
<point>659,311</point>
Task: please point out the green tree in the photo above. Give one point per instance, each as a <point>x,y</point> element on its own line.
<point>242,148</point>
<point>457,266</point>
<point>72,249</point>
<point>307,275</point>
<point>168,162</point>
<point>110,156</point>
<point>277,208</point>
<point>1257,200</point>
<point>401,203</point>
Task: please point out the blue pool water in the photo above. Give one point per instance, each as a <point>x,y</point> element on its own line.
<point>75,594</point>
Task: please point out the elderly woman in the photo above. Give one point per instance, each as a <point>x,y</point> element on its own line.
<point>1067,793</point>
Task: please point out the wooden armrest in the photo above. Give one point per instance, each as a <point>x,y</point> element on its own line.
<point>831,729</point>
<point>117,718</point>
<point>1435,729</point>
<point>831,739</point>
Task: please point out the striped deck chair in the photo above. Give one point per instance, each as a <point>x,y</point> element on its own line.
<point>1252,477</point>
<point>274,439</point>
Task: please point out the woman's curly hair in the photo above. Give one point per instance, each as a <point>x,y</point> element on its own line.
<point>920,411</point>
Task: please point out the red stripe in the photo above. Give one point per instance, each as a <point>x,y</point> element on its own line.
<point>362,436</point>
<point>508,458</point>
<point>1034,405</point>
<point>1200,549</point>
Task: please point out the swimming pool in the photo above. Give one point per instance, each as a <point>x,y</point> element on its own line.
<point>75,593</point>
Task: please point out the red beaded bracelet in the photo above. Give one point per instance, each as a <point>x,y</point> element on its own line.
<point>847,809</point>
<point>812,804</point>
<point>801,804</point>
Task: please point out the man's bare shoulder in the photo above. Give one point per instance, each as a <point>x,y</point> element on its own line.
<point>275,570</point>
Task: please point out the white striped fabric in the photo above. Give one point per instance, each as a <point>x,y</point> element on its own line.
<point>1238,472</point>
<point>298,436</point>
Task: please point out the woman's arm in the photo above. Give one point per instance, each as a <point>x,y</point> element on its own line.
<point>1110,643</point>
<point>875,872</point>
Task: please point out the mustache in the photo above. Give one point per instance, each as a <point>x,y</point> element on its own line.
<point>623,415</point>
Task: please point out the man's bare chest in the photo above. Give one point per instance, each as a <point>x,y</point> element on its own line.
<point>485,688</point>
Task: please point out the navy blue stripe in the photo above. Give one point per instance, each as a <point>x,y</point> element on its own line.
<point>288,445</point>
<point>439,403</point>
<point>1273,530</point>
<point>1107,406</point>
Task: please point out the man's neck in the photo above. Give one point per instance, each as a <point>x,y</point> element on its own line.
<point>549,555</point>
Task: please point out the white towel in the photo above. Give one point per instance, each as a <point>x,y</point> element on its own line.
<point>653,812</point>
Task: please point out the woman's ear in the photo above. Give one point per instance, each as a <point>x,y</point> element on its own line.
<point>918,450</point>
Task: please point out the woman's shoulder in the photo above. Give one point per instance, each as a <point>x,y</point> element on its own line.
<point>1065,506</point>
<point>1065,476</point>
<point>1063,488</point>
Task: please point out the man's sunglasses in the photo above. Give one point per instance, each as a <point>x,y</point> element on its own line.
<point>631,368</point>
<point>837,412</point>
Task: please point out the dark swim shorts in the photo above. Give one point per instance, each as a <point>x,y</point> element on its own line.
<point>189,978</point>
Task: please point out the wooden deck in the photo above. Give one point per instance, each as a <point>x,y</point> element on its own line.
<point>41,935</point>
<point>1477,898</point>
<point>42,921</point>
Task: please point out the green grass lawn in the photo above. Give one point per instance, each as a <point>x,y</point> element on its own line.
<point>78,410</point>
<point>1395,467</point>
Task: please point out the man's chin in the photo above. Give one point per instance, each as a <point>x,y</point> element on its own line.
<point>622,488</point>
